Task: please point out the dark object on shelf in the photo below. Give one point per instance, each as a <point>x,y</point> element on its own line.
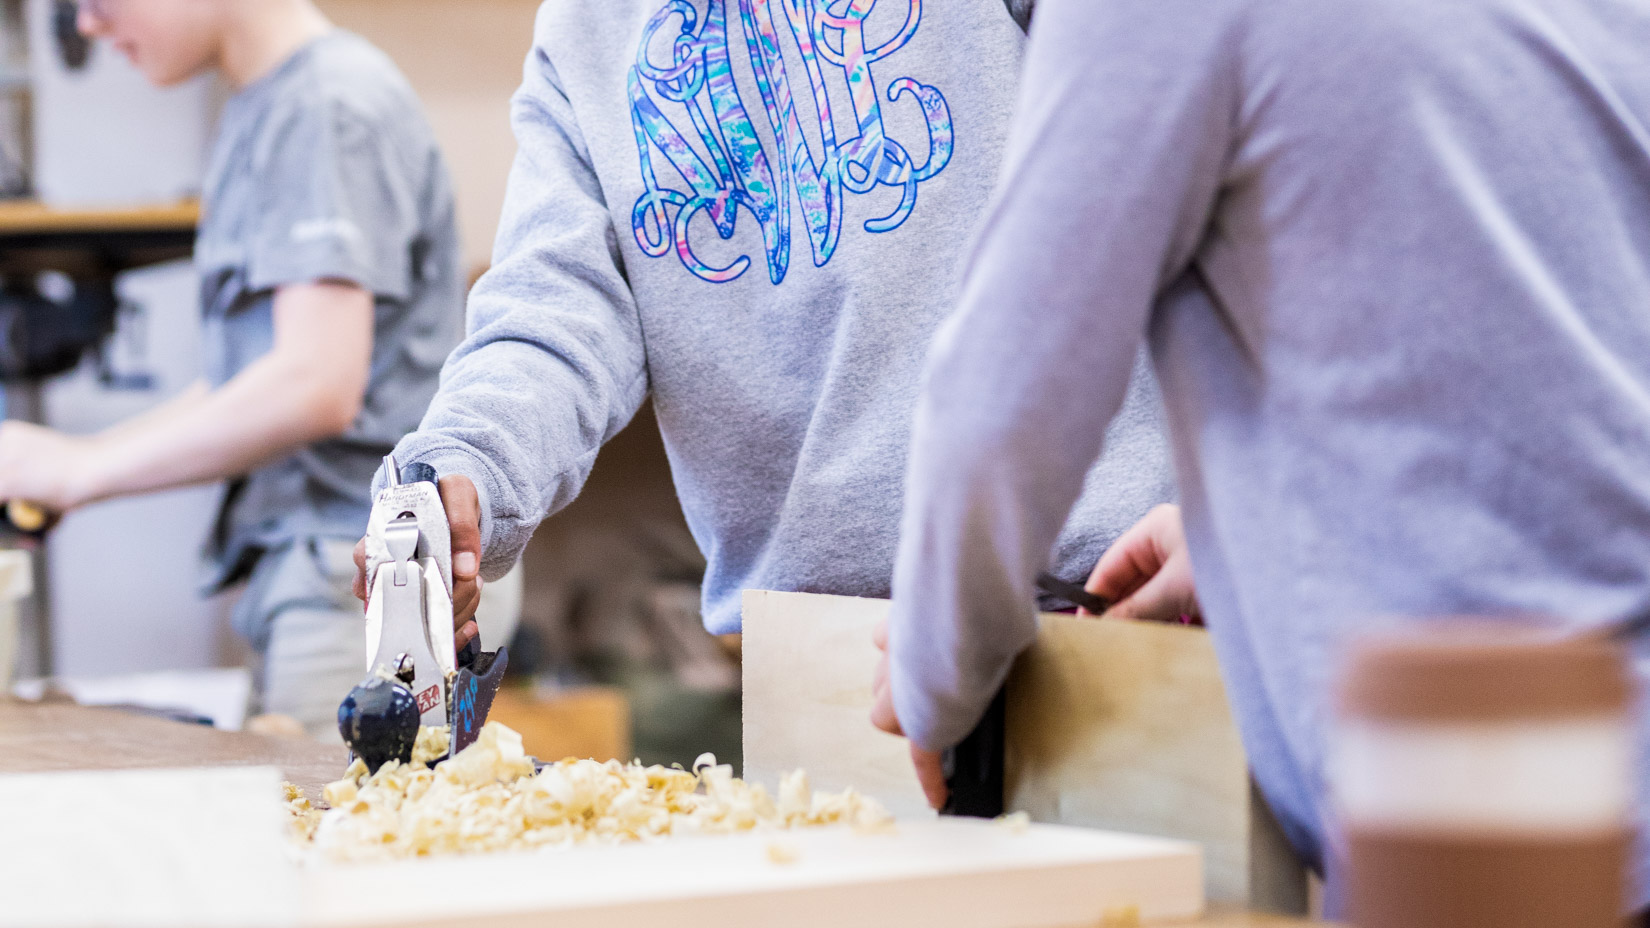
<point>42,336</point>
<point>74,48</point>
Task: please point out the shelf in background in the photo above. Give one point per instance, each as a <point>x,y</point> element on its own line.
<point>32,218</point>
<point>99,241</point>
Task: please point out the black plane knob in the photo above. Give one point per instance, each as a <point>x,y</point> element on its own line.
<point>379,722</point>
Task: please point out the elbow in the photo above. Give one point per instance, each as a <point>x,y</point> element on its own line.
<point>333,411</point>
<point>324,406</point>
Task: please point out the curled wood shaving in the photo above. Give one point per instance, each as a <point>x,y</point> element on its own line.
<point>1127,916</point>
<point>783,854</point>
<point>1015,822</point>
<point>488,798</point>
<point>431,745</point>
<point>304,817</point>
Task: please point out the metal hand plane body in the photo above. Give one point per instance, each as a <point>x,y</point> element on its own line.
<point>415,674</point>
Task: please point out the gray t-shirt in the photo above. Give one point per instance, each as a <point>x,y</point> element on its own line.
<point>1393,260</point>
<point>758,216</point>
<point>327,169</point>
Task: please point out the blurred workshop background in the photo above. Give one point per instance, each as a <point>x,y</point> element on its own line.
<point>99,321</point>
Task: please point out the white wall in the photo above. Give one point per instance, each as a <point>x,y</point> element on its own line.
<point>124,575</point>
<point>464,57</point>
<point>103,135</point>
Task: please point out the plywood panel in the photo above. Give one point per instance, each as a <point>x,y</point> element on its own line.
<point>808,664</point>
<point>1125,725</point>
<point>59,737</point>
<point>145,847</point>
<point>950,874</point>
<point>1112,724</point>
<point>205,847</point>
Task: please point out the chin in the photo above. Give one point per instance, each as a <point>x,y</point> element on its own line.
<point>167,76</point>
<point>161,73</point>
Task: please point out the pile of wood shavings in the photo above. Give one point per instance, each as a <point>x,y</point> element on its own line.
<point>488,798</point>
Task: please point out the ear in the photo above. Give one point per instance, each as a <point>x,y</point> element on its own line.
<point>88,23</point>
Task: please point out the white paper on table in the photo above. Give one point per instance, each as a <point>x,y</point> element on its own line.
<point>220,695</point>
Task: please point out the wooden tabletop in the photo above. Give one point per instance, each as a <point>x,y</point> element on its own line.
<point>53,736</point>
<point>31,217</point>
<point>1241,920</point>
<point>56,736</point>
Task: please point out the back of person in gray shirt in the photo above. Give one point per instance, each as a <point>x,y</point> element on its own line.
<point>753,212</point>
<point>331,292</point>
<point>1392,258</point>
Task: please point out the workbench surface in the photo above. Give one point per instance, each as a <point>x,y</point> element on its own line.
<point>1249,922</point>
<point>55,736</point>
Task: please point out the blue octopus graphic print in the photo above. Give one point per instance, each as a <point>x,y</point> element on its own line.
<point>697,85</point>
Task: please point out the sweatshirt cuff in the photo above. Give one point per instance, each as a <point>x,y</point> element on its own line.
<point>935,705</point>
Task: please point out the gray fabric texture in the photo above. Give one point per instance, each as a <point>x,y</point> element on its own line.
<point>1021,10</point>
<point>326,169</point>
<point>1393,262</point>
<point>687,219</point>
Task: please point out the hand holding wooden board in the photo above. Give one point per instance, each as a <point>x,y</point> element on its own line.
<point>1111,724</point>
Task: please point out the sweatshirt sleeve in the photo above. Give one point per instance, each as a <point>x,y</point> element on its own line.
<point>1117,155</point>
<point>553,364</point>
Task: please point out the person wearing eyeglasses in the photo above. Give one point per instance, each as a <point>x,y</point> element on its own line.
<point>331,293</point>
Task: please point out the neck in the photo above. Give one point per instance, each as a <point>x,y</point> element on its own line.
<point>263,33</point>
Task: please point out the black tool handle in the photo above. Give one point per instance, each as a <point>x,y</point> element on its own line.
<point>1073,593</point>
<point>974,768</point>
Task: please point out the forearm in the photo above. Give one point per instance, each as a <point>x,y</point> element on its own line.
<point>270,410</point>
<point>179,405</point>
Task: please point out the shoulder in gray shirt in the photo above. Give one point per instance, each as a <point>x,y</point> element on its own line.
<point>326,169</point>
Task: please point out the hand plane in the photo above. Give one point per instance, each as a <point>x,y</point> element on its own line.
<point>416,676</point>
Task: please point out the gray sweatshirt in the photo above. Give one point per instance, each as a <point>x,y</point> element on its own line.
<point>754,211</point>
<point>1393,261</point>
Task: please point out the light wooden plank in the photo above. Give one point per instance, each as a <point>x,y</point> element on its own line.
<point>59,736</point>
<point>1125,726</point>
<point>1116,725</point>
<point>808,666</point>
<point>30,217</point>
<point>944,874</point>
<point>206,847</point>
<point>145,848</point>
